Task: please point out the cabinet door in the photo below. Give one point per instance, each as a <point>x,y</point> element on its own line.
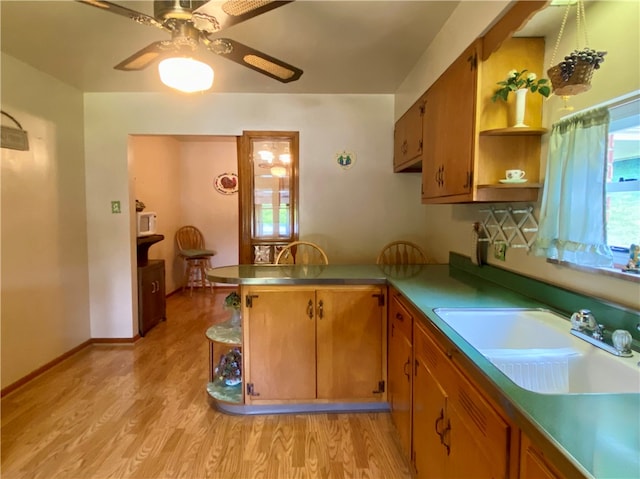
<point>399,369</point>
<point>151,295</point>
<point>280,340</point>
<point>532,464</point>
<point>465,460</point>
<point>399,372</point>
<point>407,140</point>
<point>429,403</point>
<point>349,342</point>
<point>450,129</point>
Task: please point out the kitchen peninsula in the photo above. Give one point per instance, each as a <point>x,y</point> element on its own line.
<point>568,435</point>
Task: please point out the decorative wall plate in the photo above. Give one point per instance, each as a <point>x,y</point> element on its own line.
<point>345,159</point>
<point>226,183</point>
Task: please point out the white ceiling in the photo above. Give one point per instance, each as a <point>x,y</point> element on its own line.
<point>342,46</point>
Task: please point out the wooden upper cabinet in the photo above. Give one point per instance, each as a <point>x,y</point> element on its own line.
<point>449,129</point>
<point>468,143</point>
<point>407,139</point>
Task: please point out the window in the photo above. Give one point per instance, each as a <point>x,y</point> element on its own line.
<point>623,179</point>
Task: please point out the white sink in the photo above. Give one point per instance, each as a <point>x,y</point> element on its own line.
<point>535,349</point>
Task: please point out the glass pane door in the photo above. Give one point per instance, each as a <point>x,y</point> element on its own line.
<point>268,200</point>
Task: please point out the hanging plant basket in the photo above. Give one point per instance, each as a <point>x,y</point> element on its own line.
<point>573,74</point>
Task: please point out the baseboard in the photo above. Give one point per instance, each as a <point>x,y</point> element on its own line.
<point>34,374</point>
<point>54,362</point>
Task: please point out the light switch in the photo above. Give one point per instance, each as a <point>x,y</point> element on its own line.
<point>115,207</point>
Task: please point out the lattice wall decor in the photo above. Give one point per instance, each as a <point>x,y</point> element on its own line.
<point>516,228</point>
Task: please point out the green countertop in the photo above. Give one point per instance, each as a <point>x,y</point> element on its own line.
<point>599,434</point>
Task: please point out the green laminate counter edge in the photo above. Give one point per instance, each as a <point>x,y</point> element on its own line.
<point>598,434</point>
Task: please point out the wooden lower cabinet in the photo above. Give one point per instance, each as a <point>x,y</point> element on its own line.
<point>151,295</point>
<point>306,344</point>
<point>533,464</point>
<point>399,368</point>
<point>457,434</point>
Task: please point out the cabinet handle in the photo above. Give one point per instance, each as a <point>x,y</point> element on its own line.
<point>467,183</point>
<point>438,420</point>
<point>404,368</point>
<point>399,317</point>
<point>446,433</point>
<point>320,309</point>
<point>153,287</point>
<point>310,309</point>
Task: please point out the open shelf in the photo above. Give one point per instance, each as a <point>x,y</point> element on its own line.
<point>221,392</point>
<point>225,333</point>
<point>514,132</point>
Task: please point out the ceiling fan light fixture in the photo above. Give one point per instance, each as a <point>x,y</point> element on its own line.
<point>278,171</point>
<point>185,74</point>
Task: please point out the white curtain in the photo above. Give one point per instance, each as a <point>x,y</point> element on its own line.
<point>572,217</point>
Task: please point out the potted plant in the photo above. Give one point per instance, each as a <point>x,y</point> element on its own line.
<point>232,302</point>
<point>520,82</point>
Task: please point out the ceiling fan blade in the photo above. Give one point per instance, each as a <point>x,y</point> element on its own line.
<point>216,15</point>
<point>125,12</point>
<point>254,59</point>
<point>145,57</point>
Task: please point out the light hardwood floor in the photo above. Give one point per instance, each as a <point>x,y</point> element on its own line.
<point>141,411</point>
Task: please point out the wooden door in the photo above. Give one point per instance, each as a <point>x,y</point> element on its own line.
<point>400,373</point>
<point>431,159</point>
<point>280,340</point>
<point>399,370</point>
<point>458,96</point>
<point>465,459</point>
<point>429,423</point>
<point>349,342</point>
<point>449,132</point>
<point>532,464</point>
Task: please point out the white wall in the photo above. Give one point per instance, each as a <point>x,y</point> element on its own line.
<point>154,164</point>
<point>613,26</point>
<point>44,298</point>
<point>213,213</point>
<point>352,213</point>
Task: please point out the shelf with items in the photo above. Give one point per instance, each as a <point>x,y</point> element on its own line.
<point>225,360</point>
<point>468,143</point>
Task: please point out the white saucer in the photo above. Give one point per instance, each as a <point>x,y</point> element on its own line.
<point>517,180</point>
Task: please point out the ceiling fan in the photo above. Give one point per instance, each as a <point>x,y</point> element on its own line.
<point>191,22</point>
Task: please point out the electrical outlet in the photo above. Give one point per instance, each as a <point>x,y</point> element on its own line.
<point>500,251</point>
<point>115,207</point>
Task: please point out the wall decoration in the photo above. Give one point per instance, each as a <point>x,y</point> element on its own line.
<point>345,159</point>
<point>226,183</point>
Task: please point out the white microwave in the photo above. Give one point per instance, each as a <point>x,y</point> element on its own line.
<point>146,223</point>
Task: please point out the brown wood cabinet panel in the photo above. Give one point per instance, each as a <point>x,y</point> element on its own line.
<point>450,129</point>
<point>281,345</point>
<point>306,344</point>
<point>151,295</point>
<point>408,139</point>
<point>533,464</point>
<point>429,403</point>
<point>349,342</point>
<point>400,371</point>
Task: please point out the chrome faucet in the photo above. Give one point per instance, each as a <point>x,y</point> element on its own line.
<point>585,326</point>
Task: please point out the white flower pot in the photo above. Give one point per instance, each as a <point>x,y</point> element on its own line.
<point>521,99</point>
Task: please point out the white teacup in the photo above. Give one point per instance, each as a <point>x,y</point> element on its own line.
<point>515,174</point>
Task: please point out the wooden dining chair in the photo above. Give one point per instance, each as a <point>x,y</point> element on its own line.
<point>196,257</point>
<point>402,252</point>
<point>302,252</point>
